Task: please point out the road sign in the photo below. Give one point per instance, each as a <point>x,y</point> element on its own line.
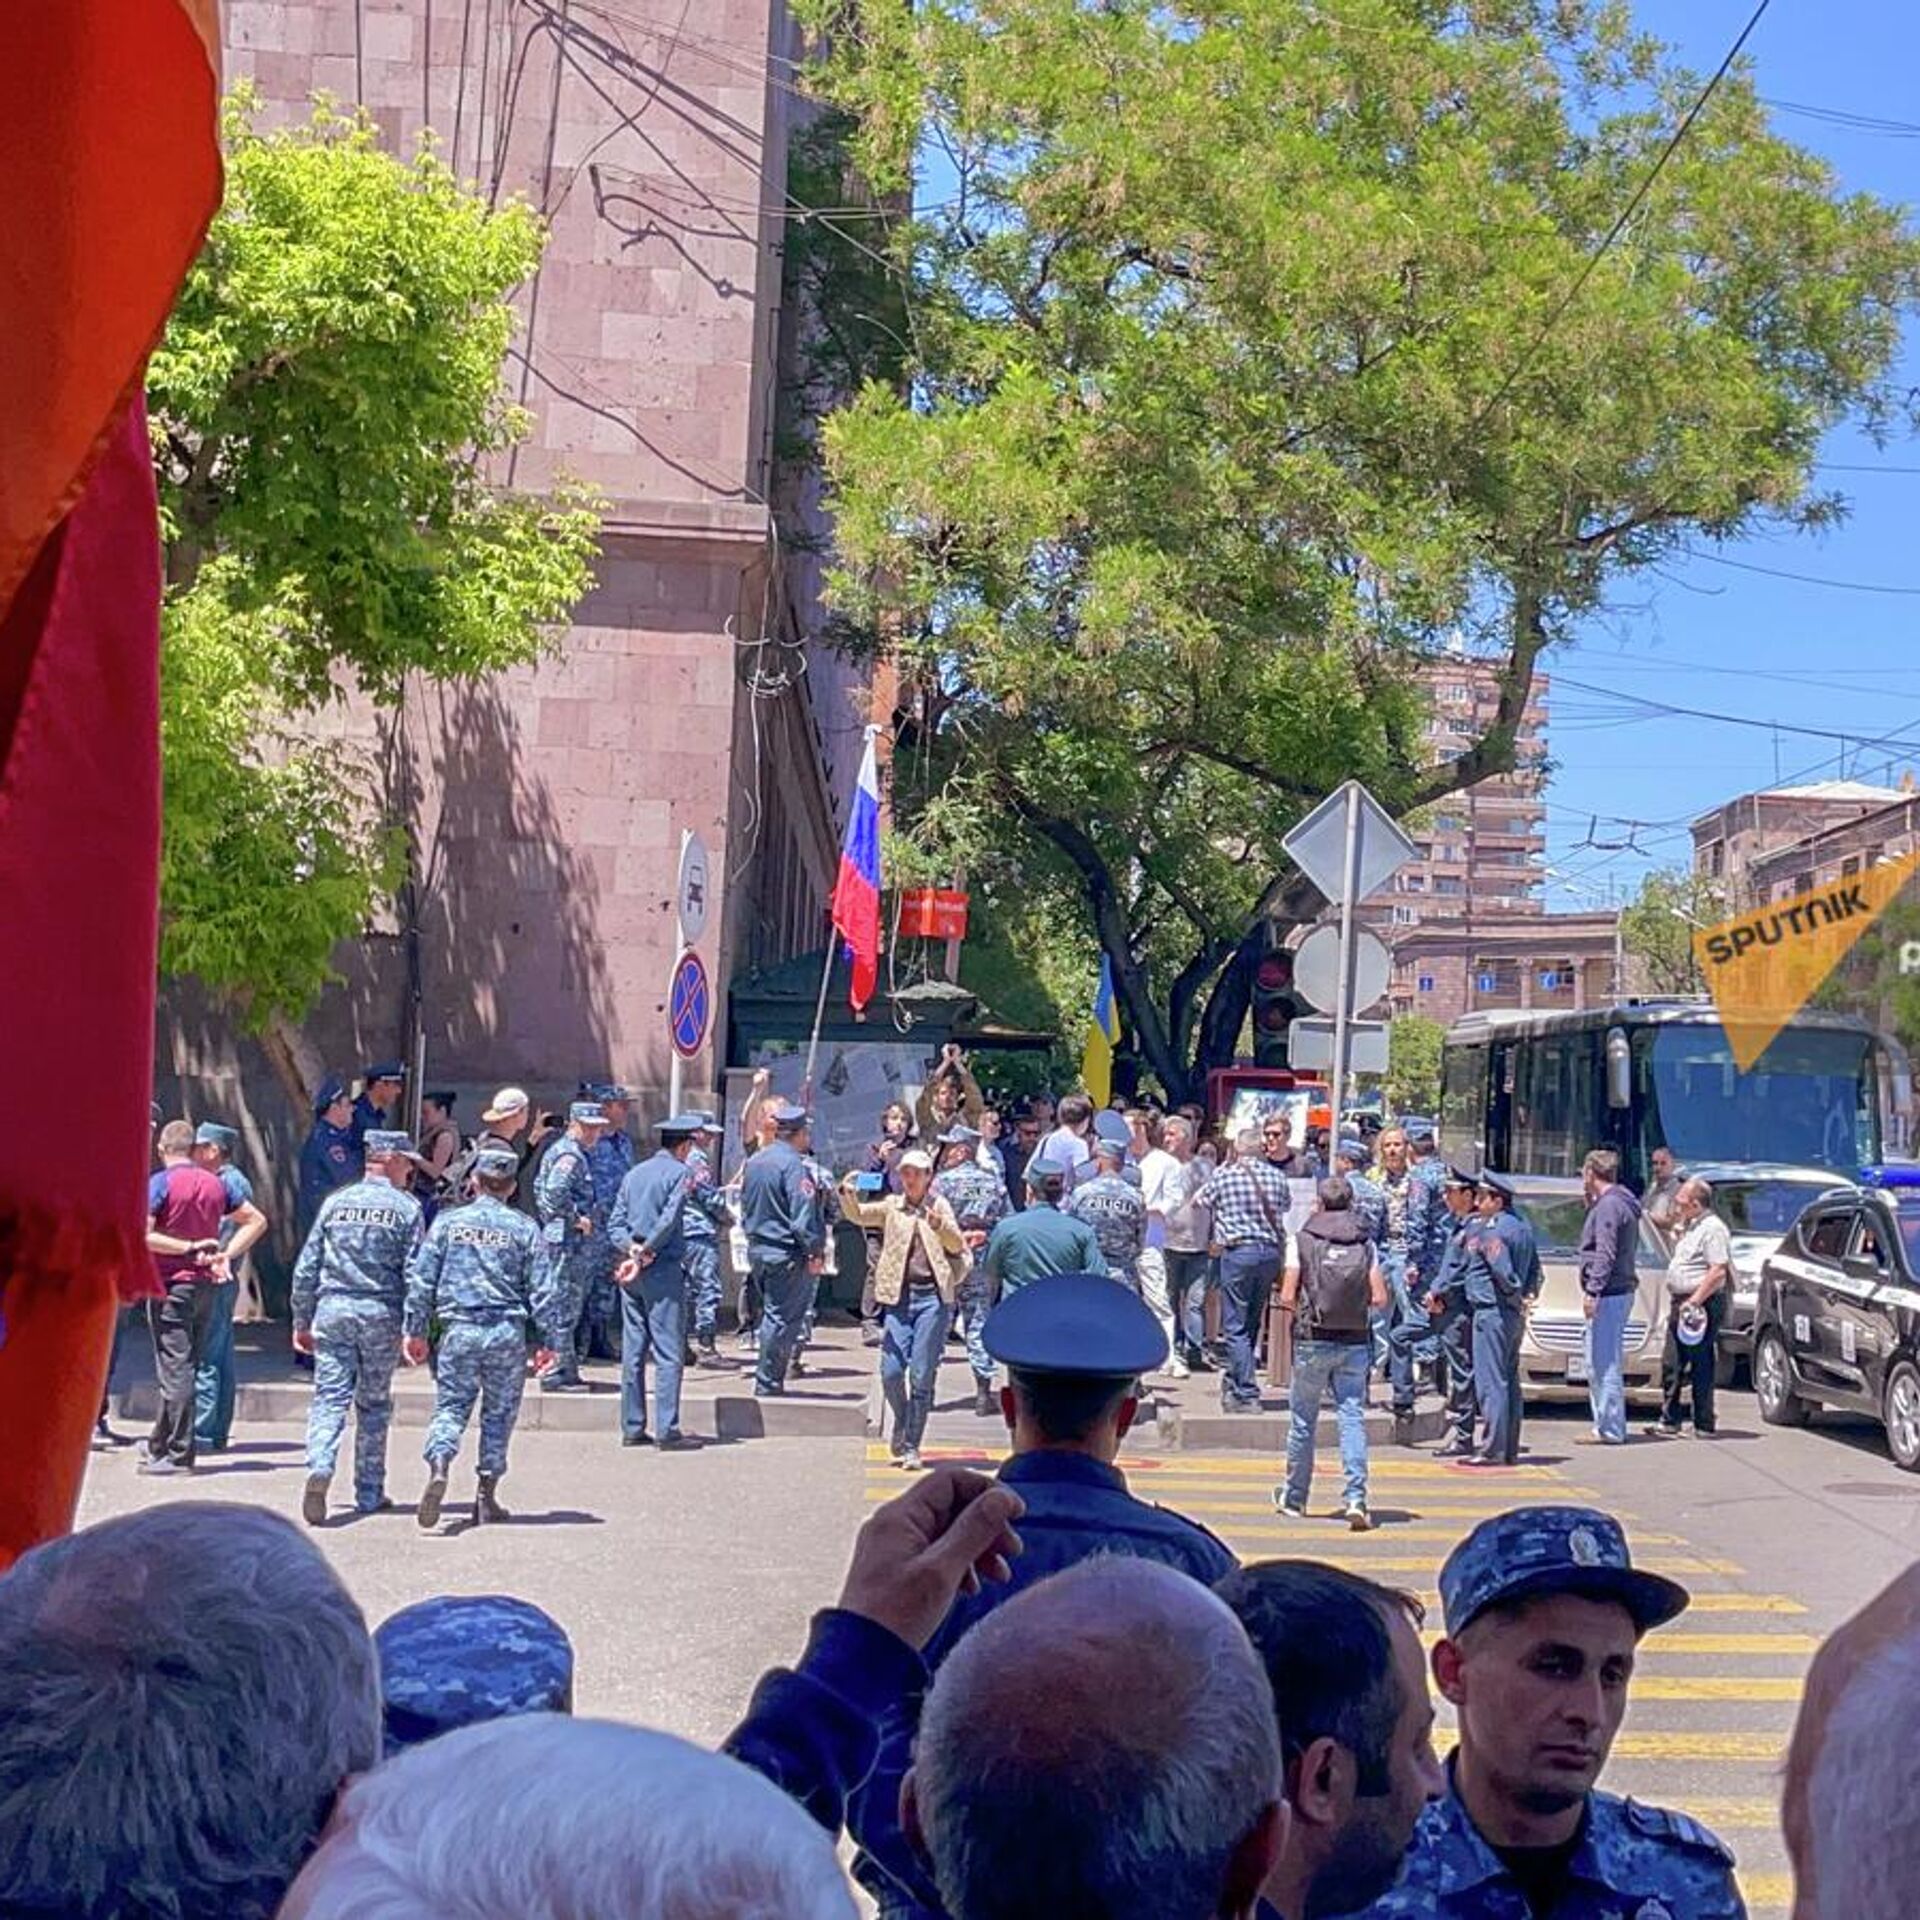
<point>689,1006</point>
<point>1318,845</point>
<point>1310,1045</point>
<point>1316,968</point>
<point>691,894</point>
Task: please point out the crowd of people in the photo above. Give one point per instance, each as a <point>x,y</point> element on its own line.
<point>1036,1696</point>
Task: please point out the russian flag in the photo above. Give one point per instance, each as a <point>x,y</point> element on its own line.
<point>856,893</point>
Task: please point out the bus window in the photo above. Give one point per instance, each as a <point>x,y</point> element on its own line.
<point>1463,1101</point>
<point>1557,1094</point>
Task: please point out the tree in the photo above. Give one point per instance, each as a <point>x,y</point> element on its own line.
<point>1413,1064</point>
<point>1261,354</point>
<point>1658,924</point>
<point>326,406</point>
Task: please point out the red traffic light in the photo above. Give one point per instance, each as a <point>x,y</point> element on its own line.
<point>1274,974</point>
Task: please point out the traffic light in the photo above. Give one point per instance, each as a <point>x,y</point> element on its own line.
<point>1274,1006</point>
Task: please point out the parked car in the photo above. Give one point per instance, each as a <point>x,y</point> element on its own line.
<point>1838,1319</point>
<point>1553,1349</point>
<point>1759,1205</point>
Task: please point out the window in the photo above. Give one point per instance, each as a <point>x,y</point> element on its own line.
<point>1426,983</point>
<point>1406,916</point>
<point>1448,883</point>
<point>1557,1093</point>
<point>1867,1244</point>
<point>1826,1234</point>
<point>1716,859</point>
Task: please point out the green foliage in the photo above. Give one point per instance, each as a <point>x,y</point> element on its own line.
<point>326,410</point>
<point>1657,926</point>
<point>1240,388</point>
<point>1413,1064</point>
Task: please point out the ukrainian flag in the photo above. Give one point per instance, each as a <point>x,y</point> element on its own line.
<point>1096,1065</point>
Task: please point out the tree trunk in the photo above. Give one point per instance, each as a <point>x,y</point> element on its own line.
<point>295,1062</point>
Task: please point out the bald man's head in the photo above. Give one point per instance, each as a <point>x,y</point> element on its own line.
<point>1104,1745</point>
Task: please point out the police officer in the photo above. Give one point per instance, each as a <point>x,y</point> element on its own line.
<point>1446,1323</point>
<point>647,1230</point>
<point>379,1101</point>
<point>349,1289</point>
<point>461,1658</point>
<point>780,1214</point>
<point>1543,1610</point>
<point>1500,1279</point>
<point>1075,1348</point>
<point>700,1226</point>
<point>476,1273</point>
<point>1113,1209</point>
<point>979,1203</point>
<point>611,1159</point>
<point>331,1155</point>
<point>563,1198</point>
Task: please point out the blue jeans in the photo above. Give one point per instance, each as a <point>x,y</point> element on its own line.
<point>1187,1277</point>
<point>1606,1364</point>
<point>213,1378</point>
<point>1398,1310</point>
<point>653,1326</point>
<point>1246,1278</point>
<point>913,1332</point>
<point>786,1294</point>
<point>1321,1367</point>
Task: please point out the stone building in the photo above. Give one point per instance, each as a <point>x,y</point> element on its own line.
<point>1733,843</point>
<point>549,805</point>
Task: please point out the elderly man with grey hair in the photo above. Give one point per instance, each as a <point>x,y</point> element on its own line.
<point>546,1818</point>
<point>183,1692</point>
<point>1122,1704</point>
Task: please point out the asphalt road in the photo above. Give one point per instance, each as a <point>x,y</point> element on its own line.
<point>680,1578</point>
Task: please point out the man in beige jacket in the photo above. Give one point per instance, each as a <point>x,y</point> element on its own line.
<point>923,1255</point>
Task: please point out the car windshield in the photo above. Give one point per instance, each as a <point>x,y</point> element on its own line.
<point>1763,1206</point>
<point>1556,1220</point>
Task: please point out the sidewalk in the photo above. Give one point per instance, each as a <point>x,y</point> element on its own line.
<point>838,1395</point>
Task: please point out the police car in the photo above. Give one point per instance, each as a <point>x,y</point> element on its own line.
<point>1837,1323</point>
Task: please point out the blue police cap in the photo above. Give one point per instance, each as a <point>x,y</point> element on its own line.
<point>386,1070</point>
<point>1353,1148</point>
<point>1491,1182</point>
<point>329,1090</point>
<point>458,1659</point>
<point>602,1090</point>
<point>1109,1126</point>
<point>1040,1168</point>
<point>1082,1323</point>
<point>587,1113</point>
<point>496,1163</point>
<point>379,1141</point>
<point>787,1115</point>
<point>1111,1151</point>
<point>210,1133</point>
<point>1460,1177</point>
<point>1421,1135</point>
<point>1542,1550</point>
<point>678,1126</point>
<point>959,1135</point>
<point>704,1119</point>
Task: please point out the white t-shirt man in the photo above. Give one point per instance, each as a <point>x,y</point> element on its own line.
<point>1700,1248</point>
<point>1160,1188</point>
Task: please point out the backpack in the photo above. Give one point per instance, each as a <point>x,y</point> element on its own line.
<point>1335,1283</point>
<point>456,1185</point>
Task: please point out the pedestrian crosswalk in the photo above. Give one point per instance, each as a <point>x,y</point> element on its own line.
<point>1714,1696</point>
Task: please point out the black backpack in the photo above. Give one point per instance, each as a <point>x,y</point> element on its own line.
<point>1335,1285</point>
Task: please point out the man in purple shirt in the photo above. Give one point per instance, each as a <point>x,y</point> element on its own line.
<point>1609,1247</point>
<point>185,1206</point>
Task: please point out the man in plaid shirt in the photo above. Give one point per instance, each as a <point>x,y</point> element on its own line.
<point>1249,1198</point>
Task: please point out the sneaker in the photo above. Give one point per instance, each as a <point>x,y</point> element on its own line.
<point>1288,1509</point>
<point>433,1497</point>
<point>1177,1369</point>
<point>313,1502</point>
<point>1454,1450</point>
<point>678,1442</point>
<point>1664,1430</point>
<point>910,1461</point>
<point>1359,1520</point>
<point>748,1342</point>
<point>158,1465</point>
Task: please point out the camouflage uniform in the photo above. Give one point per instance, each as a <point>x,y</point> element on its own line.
<point>349,1285</point>
<point>562,1194</point>
<point>609,1160</point>
<point>979,1202</point>
<point>459,1659</point>
<point>1118,1216</point>
<point>476,1272</point>
<point>700,1250</point>
<point>1370,1205</point>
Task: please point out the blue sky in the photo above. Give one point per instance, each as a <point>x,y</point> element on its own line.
<point>1716,638</point>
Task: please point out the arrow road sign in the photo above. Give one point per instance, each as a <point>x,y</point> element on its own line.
<point>1317,845</point>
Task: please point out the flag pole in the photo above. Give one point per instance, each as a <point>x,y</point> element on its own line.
<point>819,1019</point>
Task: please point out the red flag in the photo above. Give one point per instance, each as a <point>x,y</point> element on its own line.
<point>109,171</point>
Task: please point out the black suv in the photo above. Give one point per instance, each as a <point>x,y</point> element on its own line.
<point>1837,1322</point>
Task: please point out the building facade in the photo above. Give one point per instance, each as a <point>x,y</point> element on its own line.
<point>1735,843</point>
<point>547,807</point>
<point>1837,852</point>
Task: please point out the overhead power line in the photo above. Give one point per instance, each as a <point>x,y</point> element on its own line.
<point>1806,579</point>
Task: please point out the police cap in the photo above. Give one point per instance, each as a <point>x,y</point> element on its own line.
<point>1078,1323</point>
<point>1491,1182</point>
<point>382,1141</point>
<point>329,1090</point>
<point>587,1113</point>
<point>1460,1177</point>
<point>1354,1151</point>
<point>1109,1152</point>
<point>959,1135</point>
<point>787,1117</point>
<point>386,1070</point>
<point>458,1659</point>
<point>1543,1550</point>
<point>1109,1126</point>
<point>681,1126</point>
<point>210,1133</point>
<point>496,1163</point>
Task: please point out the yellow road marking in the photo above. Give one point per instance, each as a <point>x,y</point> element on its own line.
<point>1661,1645</point>
<point>1765,1749</point>
<point>1735,1815</point>
<point>1332,1543</point>
<point>1663,1686</point>
<point>1766,1889</point>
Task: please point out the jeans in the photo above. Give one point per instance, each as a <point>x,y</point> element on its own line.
<point>1692,1367</point>
<point>1247,1274</point>
<point>1321,1367</point>
<point>913,1332</point>
<point>786,1293</point>
<point>1188,1275</point>
<point>178,1324</point>
<point>1606,1362</point>
<point>653,1326</point>
<point>213,1378</point>
<point>1398,1310</point>
<point>1496,1378</point>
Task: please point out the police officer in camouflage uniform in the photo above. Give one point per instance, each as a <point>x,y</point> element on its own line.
<point>563,1197</point>
<point>349,1287</point>
<point>979,1202</point>
<point>1114,1209</point>
<point>476,1274</point>
<point>700,1228</point>
<point>461,1658</point>
<point>611,1158</point>
<point>1544,1610</point>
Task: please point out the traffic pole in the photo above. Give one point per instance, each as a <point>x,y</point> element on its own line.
<point>1343,997</point>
